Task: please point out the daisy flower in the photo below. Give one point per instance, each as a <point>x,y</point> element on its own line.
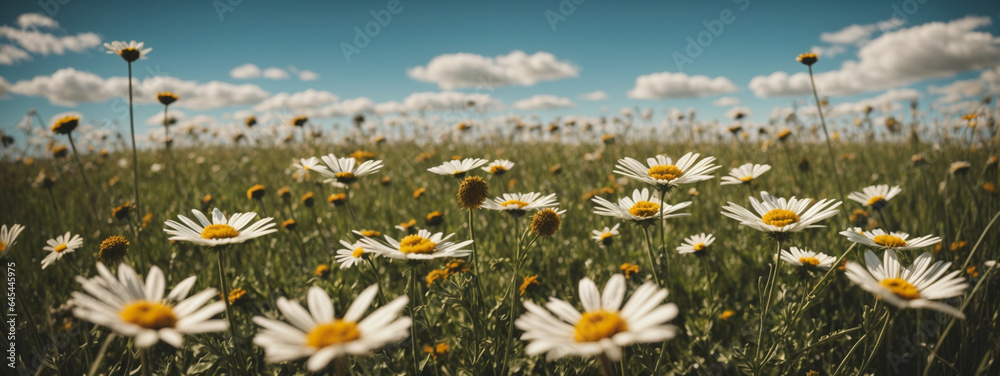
<point>420,246</point>
<point>604,326</point>
<point>316,333</point>
<point>304,166</point>
<point>806,258</point>
<point>457,168</point>
<point>517,204</point>
<point>219,231</point>
<point>696,244</point>
<point>130,51</point>
<point>132,308</point>
<point>899,241</point>
<point>346,170</point>
<point>916,286</point>
<point>876,196</point>
<point>351,255</point>
<point>8,237</point>
<point>499,167</point>
<point>641,207</point>
<point>745,174</point>
<point>780,215</point>
<point>605,236</point>
<point>60,246</point>
<point>662,173</point>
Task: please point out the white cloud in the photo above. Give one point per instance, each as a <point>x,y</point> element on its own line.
<point>452,71</point>
<point>47,44</point>
<point>29,20</point>
<point>828,51</point>
<point>896,58</point>
<point>307,75</point>
<point>726,102</point>
<point>885,102</point>
<point>10,54</point>
<point>4,87</point>
<point>303,100</point>
<point>157,119</point>
<point>679,85</point>
<point>275,73</point>
<point>245,71</point>
<point>67,87</point>
<point>855,34</point>
<point>598,95</point>
<point>449,100</point>
<point>543,102</point>
<point>390,107</point>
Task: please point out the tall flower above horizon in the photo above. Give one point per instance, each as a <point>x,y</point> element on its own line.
<point>745,174</point>
<point>218,231</point>
<point>134,308</point>
<point>663,174</point>
<point>604,327</point>
<point>316,333</point>
<point>130,51</point>
<point>916,286</point>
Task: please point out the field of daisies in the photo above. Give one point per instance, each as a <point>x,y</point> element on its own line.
<point>630,246</point>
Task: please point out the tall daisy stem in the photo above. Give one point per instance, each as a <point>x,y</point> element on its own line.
<point>135,153</point>
<point>144,358</point>
<point>233,330</point>
<point>478,300</point>
<point>607,369</point>
<point>649,253</point>
<point>83,173</point>
<point>413,314</point>
<point>513,295</point>
<point>378,281</point>
<point>769,287</point>
<point>829,145</point>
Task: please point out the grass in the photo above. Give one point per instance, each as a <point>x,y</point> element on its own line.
<point>839,327</point>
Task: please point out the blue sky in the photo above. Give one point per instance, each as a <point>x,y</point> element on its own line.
<point>608,44</point>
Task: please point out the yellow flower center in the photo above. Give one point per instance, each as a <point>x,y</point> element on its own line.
<point>416,244</point>
<point>519,203</point>
<point>3,246</point>
<point>345,176</point>
<point>780,217</point>
<point>889,241</point>
<point>358,252</point>
<point>219,232</point>
<point>497,170</point>
<point>809,261</point>
<point>595,326</point>
<point>665,172</point>
<point>644,209</point>
<point>336,332</point>
<point>149,315</point>
<point>606,235</point>
<point>746,179</point>
<point>698,247</point>
<point>875,200</point>
<point>901,288</point>
<point>60,248</point>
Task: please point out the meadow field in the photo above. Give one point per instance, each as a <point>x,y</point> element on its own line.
<point>450,306</point>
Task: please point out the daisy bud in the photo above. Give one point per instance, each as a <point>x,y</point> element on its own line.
<point>113,249</point>
<point>66,124</point>
<point>472,192</point>
<point>256,192</point>
<point>808,58</point>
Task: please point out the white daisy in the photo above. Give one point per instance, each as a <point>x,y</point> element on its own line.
<point>876,196</point>
<point>132,308</point>
<point>499,167</point>
<point>420,246</point>
<point>899,241</point>
<point>745,174</point>
<point>318,335</point>
<point>8,237</point>
<point>806,258</point>
<point>916,286</point>
<point>517,204</point>
<point>662,173</point>
<point>778,215</point>
<point>60,246</point>
<point>605,236</point>
<point>305,166</point>
<point>351,255</point>
<point>346,170</point>
<point>219,231</point>
<point>457,168</point>
<point>604,326</point>
<point>696,244</point>
<point>641,207</point>
<point>130,51</point>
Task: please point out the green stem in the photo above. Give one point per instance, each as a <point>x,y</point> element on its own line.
<point>649,254</point>
<point>769,287</point>
<point>513,296</point>
<point>233,329</point>
<point>100,355</point>
<point>413,318</point>
<point>829,146</point>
